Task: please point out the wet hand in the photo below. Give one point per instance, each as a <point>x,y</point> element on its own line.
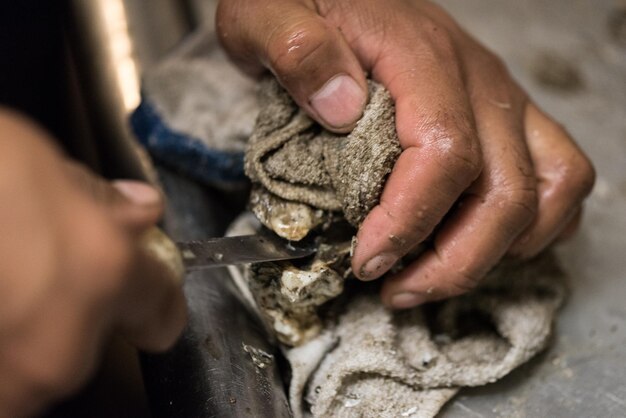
<point>483,171</point>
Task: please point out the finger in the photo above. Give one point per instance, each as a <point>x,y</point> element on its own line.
<point>154,310</point>
<point>310,58</point>
<point>151,308</point>
<point>501,205</point>
<point>441,155</point>
<point>131,283</point>
<point>146,203</point>
<point>565,178</point>
<point>133,204</point>
<point>571,227</point>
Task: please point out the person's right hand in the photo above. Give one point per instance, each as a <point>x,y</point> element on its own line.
<point>483,171</point>
<point>72,270</point>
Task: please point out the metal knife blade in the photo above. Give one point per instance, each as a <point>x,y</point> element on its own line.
<point>215,252</point>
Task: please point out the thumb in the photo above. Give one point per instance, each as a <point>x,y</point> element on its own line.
<point>309,57</point>
<point>134,205</point>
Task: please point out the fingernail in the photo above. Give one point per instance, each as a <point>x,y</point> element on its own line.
<point>405,300</point>
<point>138,192</point>
<point>377,266</point>
<point>339,102</point>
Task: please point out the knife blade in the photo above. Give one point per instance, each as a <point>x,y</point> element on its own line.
<point>216,252</point>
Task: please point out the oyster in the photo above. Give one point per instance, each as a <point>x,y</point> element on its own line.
<point>289,296</point>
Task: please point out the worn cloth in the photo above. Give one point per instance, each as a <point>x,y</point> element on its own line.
<point>364,360</point>
<point>197,113</point>
<point>410,363</point>
<point>368,361</point>
<point>292,158</point>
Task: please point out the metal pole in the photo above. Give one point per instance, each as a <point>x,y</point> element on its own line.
<point>112,42</point>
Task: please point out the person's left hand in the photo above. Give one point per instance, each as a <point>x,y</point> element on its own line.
<point>483,171</point>
<point>75,269</point>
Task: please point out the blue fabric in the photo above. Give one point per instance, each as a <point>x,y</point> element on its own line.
<point>185,153</point>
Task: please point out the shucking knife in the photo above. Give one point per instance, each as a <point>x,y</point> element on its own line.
<point>216,252</point>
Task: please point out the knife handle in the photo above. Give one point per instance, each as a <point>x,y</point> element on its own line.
<point>157,244</point>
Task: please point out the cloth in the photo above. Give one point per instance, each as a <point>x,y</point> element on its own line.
<point>292,158</point>
<point>410,363</point>
<point>197,112</point>
<point>367,361</point>
<point>360,359</point>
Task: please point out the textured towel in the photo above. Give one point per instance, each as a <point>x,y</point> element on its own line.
<point>350,356</point>
<point>415,360</point>
<point>363,360</point>
<point>292,158</point>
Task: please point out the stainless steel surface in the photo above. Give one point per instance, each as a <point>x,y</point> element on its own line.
<point>216,252</point>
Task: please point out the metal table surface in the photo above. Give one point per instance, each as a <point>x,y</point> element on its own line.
<point>571,56</point>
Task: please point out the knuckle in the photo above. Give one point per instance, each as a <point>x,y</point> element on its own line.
<point>463,280</point>
<point>468,275</point>
<point>467,162</point>
<point>444,44</point>
<point>520,199</point>
<point>578,177</point>
<point>462,277</point>
<point>461,286</point>
<point>289,47</point>
<point>408,223</point>
<point>457,152</point>
<point>441,42</point>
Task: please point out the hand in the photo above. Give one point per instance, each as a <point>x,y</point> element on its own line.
<point>483,170</point>
<point>72,271</point>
